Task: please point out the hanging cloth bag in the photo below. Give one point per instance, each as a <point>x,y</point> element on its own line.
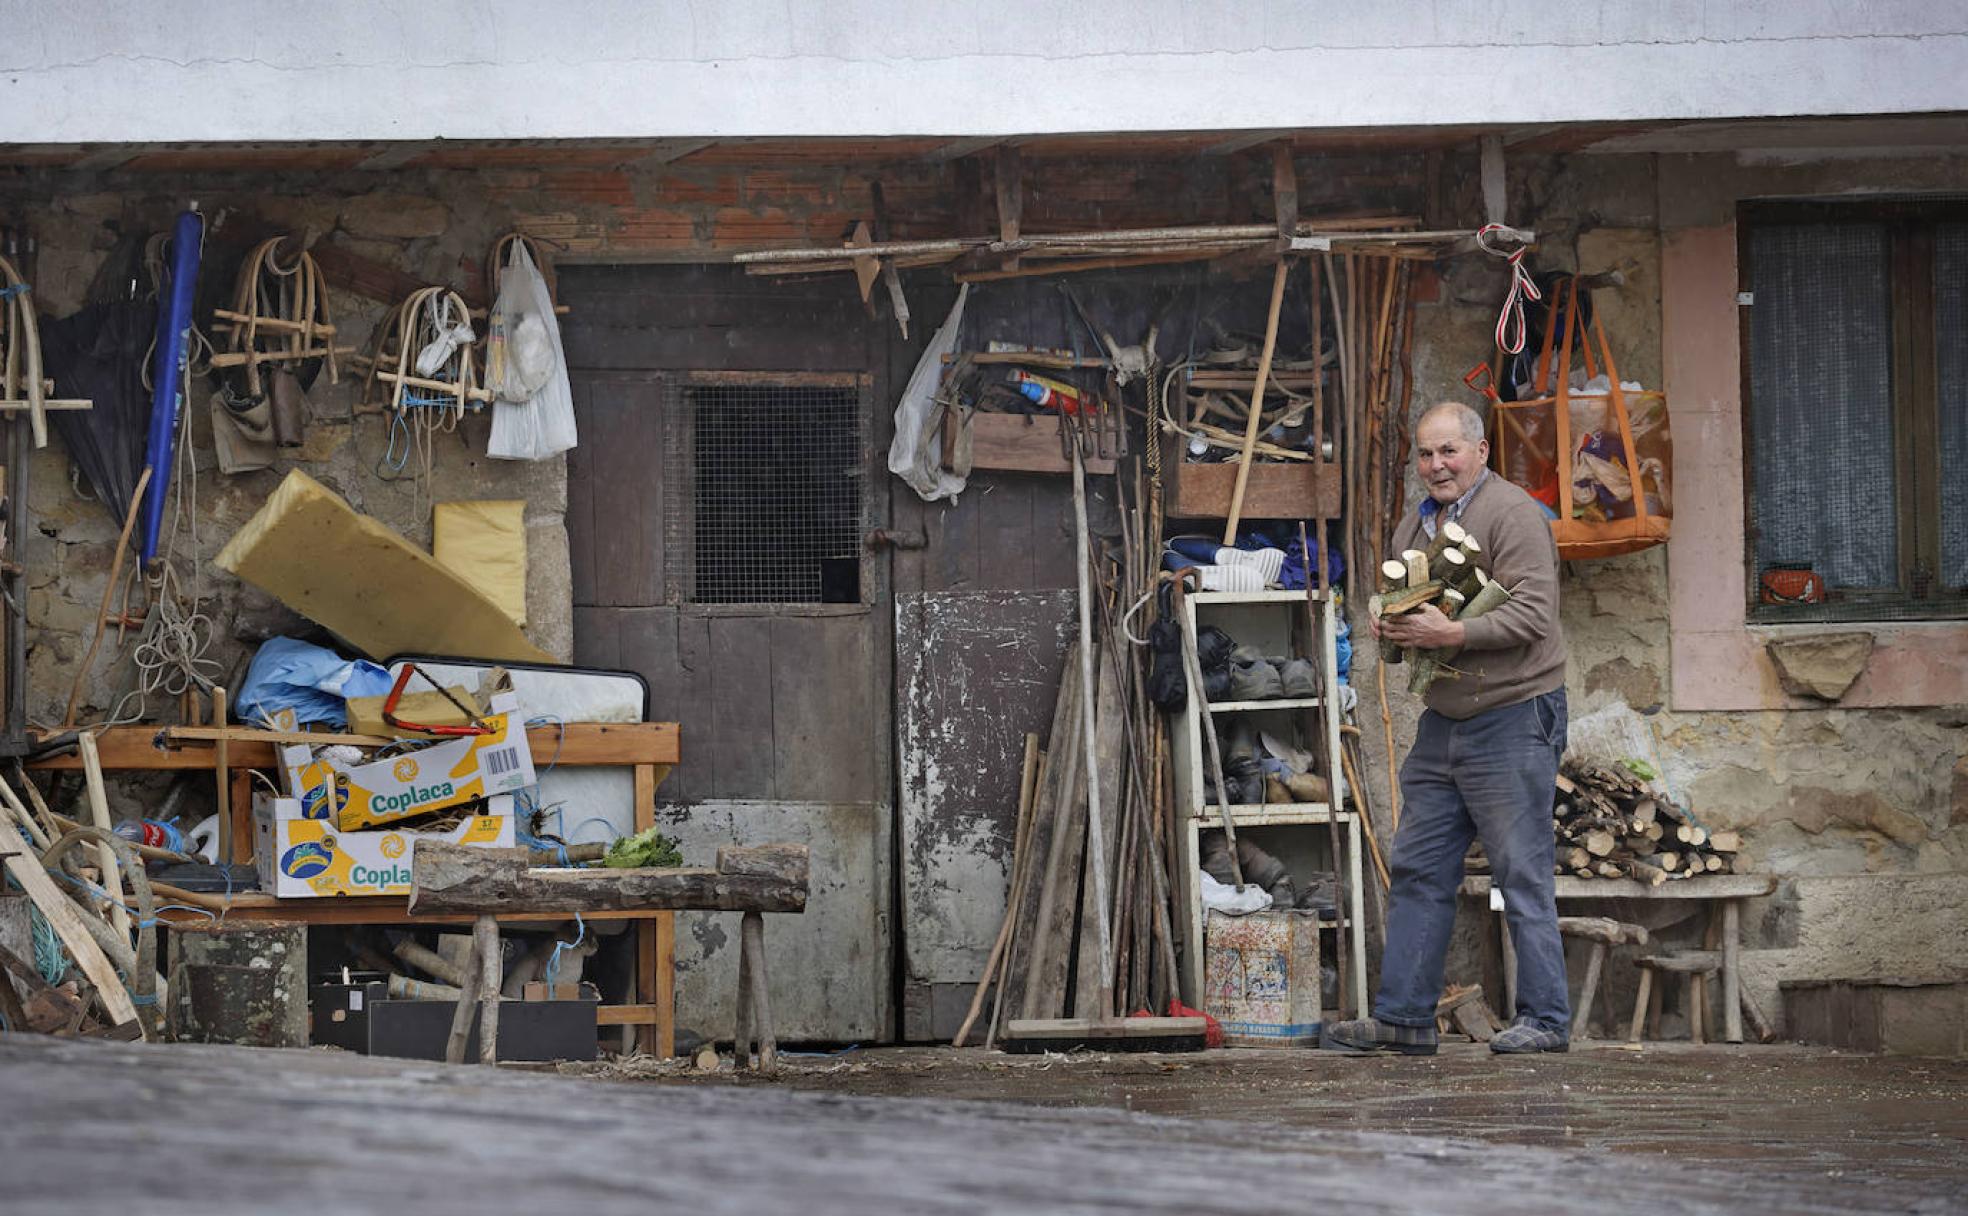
<point>1598,457</point>
<point>526,368</point>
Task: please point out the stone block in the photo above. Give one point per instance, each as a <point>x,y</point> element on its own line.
<point>1823,666</point>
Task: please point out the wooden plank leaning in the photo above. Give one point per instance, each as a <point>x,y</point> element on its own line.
<point>61,914</point>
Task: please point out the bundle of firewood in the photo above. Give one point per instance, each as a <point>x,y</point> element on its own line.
<point>1446,575</point>
<point>1611,824</point>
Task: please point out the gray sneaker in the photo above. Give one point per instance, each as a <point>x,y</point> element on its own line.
<point>1366,1036</point>
<point>1298,678</point>
<point>1525,1037</point>
<point>1255,681</point>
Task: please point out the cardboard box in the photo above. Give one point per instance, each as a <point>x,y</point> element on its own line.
<point>1261,977</point>
<point>378,792</point>
<point>304,858</point>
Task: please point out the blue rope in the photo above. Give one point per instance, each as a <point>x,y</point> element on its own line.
<point>18,289</point>
<point>48,957</point>
<point>553,961</point>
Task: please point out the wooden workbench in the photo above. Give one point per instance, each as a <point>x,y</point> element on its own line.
<point>649,748</point>
<point>1723,891</point>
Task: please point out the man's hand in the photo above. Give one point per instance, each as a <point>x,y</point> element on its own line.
<point>1424,629</point>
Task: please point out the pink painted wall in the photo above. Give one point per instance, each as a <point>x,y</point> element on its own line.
<point>1718,658</point>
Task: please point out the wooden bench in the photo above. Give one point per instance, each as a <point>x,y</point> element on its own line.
<point>1724,894</point>
<point>487,883</point>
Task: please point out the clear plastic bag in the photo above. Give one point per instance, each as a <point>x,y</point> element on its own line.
<point>526,368</point>
<point>916,455</point>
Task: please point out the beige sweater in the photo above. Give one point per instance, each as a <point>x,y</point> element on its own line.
<point>1518,651</point>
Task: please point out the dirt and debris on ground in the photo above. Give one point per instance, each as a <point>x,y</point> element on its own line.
<point>101,1126</point>
<point>1886,1129</point>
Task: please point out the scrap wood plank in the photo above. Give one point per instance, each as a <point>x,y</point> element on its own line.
<point>459,878</point>
<point>1051,928</point>
<point>1108,720</point>
<point>1061,762</point>
<point>61,914</point>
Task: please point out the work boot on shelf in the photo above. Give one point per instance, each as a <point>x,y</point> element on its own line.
<point>1298,678</point>
<point>1255,680</point>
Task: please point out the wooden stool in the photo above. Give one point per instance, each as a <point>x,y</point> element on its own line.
<point>1698,966</point>
<point>1603,933</point>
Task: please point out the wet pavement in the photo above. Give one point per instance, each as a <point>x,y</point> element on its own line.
<point>1880,1133</point>
<point>94,1126</point>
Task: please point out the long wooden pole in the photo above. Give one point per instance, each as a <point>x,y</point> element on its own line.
<point>1256,421</point>
<point>1096,845</point>
<point>109,589</point>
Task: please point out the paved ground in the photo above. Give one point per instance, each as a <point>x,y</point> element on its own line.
<point>88,1126</point>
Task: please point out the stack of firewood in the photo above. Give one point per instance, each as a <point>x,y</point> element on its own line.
<point>1446,575</point>
<point>1611,824</point>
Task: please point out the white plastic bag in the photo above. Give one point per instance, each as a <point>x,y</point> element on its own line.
<point>526,368</point>
<point>916,455</point>
<point>1224,898</point>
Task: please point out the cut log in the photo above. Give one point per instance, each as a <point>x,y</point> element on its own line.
<point>1393,575</point>
<point>1449,567</point>
<point>1599,842</point>
<point>1449,532</point>
<point>1417,563</point>
<point>1609,869</point>
<point>1414,597</point>
<point>1574,858</point>
<point>461,879</point>
<point>1725,842</point>
<point>786,862</point>
<point>1646,872</point>
<point>1602,929</point>
<point>1646,810</point>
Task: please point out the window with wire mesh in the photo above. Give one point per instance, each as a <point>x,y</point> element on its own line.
<point>765,494</point>
<point>1857,415</point>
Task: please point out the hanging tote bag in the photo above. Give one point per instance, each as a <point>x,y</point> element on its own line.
<point>1598,457</point>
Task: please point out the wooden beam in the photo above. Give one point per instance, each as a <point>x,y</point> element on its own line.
<point>1284,189</point>
<point>582,745</point>
<point>66,921</point>
<point>460,878</point>
<point>1245,141</point>
<point>1011,198</point>
<point>957,149</point>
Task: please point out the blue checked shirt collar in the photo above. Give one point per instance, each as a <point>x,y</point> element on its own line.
<point>1432,512</point>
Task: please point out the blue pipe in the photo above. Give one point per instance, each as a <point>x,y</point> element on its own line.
<point>168,373</point>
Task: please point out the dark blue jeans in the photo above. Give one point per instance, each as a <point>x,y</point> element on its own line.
<point>1489,776</point>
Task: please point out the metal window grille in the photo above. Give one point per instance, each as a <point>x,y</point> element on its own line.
<point>765,494</point>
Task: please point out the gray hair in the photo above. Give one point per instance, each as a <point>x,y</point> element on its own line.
<point>1467,420</point>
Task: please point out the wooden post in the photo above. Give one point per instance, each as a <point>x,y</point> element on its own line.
<point>1640,1005</point>
<point>751,931</point>
<point>741,1035</point>
<point>485,938</point>
<point>1732,1022</point>
<point>219,766</point>
<point>1582,1017</point>
<point>461,1017</point>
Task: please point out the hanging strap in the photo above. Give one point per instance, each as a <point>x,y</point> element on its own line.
<point>1567,293</point>
<point>1510,333</point>
<point>1618,397</point>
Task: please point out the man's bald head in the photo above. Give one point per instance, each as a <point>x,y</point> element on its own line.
<point>1467,422</point>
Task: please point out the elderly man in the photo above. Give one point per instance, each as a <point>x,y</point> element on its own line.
<point>1485,755</point>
